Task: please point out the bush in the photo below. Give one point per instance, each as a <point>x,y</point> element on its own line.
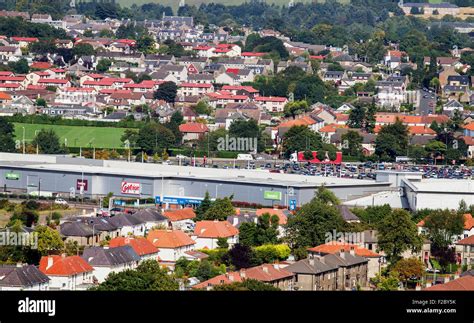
<point>4,203</point>
<point>31,205</point>
<point>271,253</point>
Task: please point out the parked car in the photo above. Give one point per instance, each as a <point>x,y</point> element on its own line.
<point>60,201</point>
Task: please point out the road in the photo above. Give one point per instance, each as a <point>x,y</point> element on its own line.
<point>427,102</point>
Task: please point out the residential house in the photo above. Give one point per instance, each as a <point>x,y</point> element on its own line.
<point>107,260</point>
<point>193,131</point>
<point>179,219</point>
<point>151,217</point>
<point>67,272</point>
<point>142,246</point>
<point>129,225</point>
<point>375,260</point>
<point>172,244</point>
<point>207,233</point>
<point>271,103</point>
<point>272,274</point>
<point>22,277</point>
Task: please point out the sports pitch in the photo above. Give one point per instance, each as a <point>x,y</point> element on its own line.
<point>75,136</point>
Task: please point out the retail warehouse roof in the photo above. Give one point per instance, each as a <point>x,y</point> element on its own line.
<point>446,186</point>
<point>120,168</point>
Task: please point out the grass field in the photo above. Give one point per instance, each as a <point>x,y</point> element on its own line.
<point>75,136</point>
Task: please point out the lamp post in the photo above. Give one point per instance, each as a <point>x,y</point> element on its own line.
<point>37,145</point>
<point>23,140</point>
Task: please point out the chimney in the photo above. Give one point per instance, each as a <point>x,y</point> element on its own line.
<point>311,260</point>
<point>243,274</point>
<point>19,264</point>
<point>63,255</point>
<point>50,262</point>
<point>235,221</point>
<point>342,254</point>
<point>276,266</point>
<point>231,278</point>
<point>446,279</point>
<point>265,269</point>
<point>352,251</point>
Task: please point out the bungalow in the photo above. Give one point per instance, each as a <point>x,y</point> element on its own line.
<point>142,247</point>
<point>172,244</point>
<point>193,131</point>
<point>107,260</point>
<point>67,273</point>
<point>207,233</point>
<point>151,217</point>
<point>129,225</point>
<point>22,277</point>
<point>75,95</point>
<point>178,219</point>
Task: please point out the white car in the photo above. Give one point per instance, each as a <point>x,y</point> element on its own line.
<point>60,201</point>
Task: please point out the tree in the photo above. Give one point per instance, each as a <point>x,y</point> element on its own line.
<point>241,256</point>
<point>409,269</point>
<point>167,92</point>
<point>356,117</point>
<point>47,142</point>
<point>442,226</point>
<point>300,138</point>
<point>222,243</point>
<point>435,149</point>
<point>41,102</point>
<point>292,109</point>
<point>49,240</point>
<point>265,231</point>
<point>392,141</point>
<point>146,44</point>
<point>310,224</point>
<point>83,50</point>
<point>173,125</point>
<point>103,65</point>
<point>148,276</point>
<point>373,215</point>
<point>398,233</point>
<point>154,137</point>
<point>386,283</point>
<point>203,108</point>
<point>247,129</point>
<point>7,136</point>
<point>220,209</point>
<point>352,143</point>
<point>203,207</point>
<point>20,67</point>
<point>246,285</point>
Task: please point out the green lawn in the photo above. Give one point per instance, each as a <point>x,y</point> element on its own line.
<point>76,136</point>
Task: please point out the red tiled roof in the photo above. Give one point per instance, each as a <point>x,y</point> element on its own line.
<point>215,229</point>
<point>64,266</point>
<point>141,245</point>
<point>421,130</point>
<point>239,87</point>
<point>25,39</point>
<point>193,127</point>
<point>5,96</point>
<point>41,65</point>
<point>469,126</point>
<point>271,98</point>
<point>196,85</point>
<point>334,247</point>
<point>165,239</point>
<point>232,70</point>
<point>178,215</point>
<point>55,81</point>
<point>252,54</point>
<point>303,121</point>
<point>331,128</point>
<point>263,273</point>
<point>460,284</point>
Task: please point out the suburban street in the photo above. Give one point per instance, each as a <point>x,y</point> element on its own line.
<point>427,102</point>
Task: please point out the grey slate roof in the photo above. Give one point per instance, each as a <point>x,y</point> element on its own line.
<point>346,214</point>
<point>98,256</point>
<point>24,276</point>
<point>344,259</point>
<point>150,215</point>
<point>121,220</point>
<point>76,229</point>
<point>306,267</point>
